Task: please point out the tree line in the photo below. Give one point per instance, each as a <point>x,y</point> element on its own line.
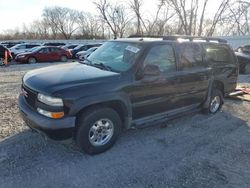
<point>185,17</point>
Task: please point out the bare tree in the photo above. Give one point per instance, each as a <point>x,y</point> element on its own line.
<point>238,19</point>
<point>135,5</point>
<point>191,22</point>
<point>62,20</point>
<point>114,16</point>
<point>218,16</point>
<point>89,25</point>
<point>160,20</point>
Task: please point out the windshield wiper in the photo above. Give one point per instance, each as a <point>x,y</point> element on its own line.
<point>98,65</point>
<point>89,62</point>
<point>86,62</point>
<point>102,66</point>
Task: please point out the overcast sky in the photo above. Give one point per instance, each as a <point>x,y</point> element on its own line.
<point>14,13</point>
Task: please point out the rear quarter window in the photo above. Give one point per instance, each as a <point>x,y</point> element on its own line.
<point>219,54</point>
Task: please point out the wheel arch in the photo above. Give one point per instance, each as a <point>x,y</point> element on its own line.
<point>214,83</point>
<point>120,104</point>
<point>219,85</point>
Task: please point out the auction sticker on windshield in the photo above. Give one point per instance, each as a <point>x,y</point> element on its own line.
<point>132,49</point>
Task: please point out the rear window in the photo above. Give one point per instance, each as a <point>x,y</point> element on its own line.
<point>218,54</point>
<point>55,50</point>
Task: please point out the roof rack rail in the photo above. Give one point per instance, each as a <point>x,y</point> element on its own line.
<point>192,38</point>
<point>144,36</point>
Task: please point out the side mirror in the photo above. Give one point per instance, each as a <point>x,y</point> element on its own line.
<point>151,70</point>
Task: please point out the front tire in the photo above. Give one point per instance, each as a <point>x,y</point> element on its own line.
<point>32,60</point>
<point>98,129</point>
<point>64,58</point>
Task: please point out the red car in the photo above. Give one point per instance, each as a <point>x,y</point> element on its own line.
<point>44,54</point>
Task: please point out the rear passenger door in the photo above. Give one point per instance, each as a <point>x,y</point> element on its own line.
<point>193,74</point>
<point>152,95</point>
<point>54,54</point>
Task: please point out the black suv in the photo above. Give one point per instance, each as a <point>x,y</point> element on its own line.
<point>127,83</point>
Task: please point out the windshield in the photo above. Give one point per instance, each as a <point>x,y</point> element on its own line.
<point>119,56</point>
<point>35,49</point>
<point>91,49</point>
<point>78,47</point>
<point>18,46</point>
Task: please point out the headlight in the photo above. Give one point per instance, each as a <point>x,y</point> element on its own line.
<point>51,101</point>
<point>21,56</point>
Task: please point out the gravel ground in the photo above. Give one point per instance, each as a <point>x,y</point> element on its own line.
<point>193,151</point>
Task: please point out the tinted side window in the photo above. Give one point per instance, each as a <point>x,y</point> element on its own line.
<point>84,48</point>
<point>21,47</point>
<point>163,56</point>
<point>190,55</point>
<point>44,51</point>
<point>218,54</point>
<point>54,50</point>
<point>30,46</point>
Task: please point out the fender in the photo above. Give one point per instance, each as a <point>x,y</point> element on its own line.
<point>78,105</point>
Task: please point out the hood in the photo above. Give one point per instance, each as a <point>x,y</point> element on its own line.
<point>51,79</point>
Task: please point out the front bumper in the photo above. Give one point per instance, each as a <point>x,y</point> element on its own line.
<point>54,128</point>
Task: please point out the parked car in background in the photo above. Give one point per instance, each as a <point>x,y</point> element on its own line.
<point>44,54</point>
<point>20,48</point>
<point>58,44</point>
<point>69,46</point>
<point>78,54</point>
<point>11,44</point>
<point>83,47</point>
<point>243,56</point>
<point>128,83</point>
<point>84,54</point>
<point>3,49</point>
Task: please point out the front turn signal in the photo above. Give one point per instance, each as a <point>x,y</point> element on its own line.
<point>57,115</point>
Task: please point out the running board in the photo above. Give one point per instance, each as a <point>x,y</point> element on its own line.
<point>165,116</point>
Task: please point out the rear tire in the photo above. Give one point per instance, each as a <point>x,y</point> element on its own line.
<point>215,103</point>
<point>32,60</point>
<point>64,58</point>
<point>98,129</point>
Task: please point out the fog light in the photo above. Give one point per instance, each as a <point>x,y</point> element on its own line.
<point>54,115</point>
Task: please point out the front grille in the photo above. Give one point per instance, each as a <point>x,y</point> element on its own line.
<point>30,97</point>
